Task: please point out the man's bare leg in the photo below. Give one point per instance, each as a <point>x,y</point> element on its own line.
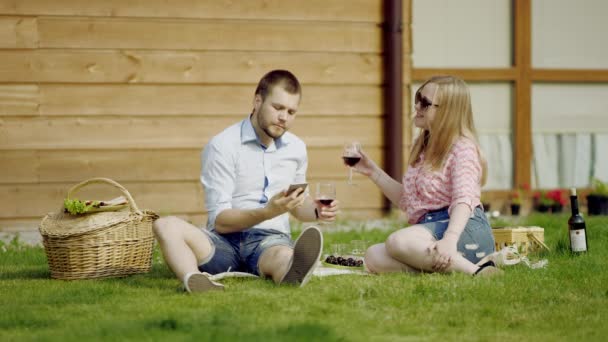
<point>275,262</point>
<point>183,245</point>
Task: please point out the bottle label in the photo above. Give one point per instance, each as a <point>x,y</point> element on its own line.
<point>578,242</point>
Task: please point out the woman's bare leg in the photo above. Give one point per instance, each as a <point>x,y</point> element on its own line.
<point>377,260</point>
<point>411,246</point>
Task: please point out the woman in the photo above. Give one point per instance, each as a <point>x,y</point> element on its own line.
<point>440,190</point>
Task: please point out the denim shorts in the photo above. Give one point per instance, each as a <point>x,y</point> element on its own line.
<point>475,242</point>
<point>241,251</point>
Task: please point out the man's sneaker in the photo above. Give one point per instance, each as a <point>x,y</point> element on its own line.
<point>306,253</point>
<point>198,282</point>
<point>488,269</point>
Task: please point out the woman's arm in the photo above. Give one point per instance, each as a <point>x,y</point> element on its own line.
<point>392,189</point>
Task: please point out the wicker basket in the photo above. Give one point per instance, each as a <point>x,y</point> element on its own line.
<point>98,245</point>
<point>525,239</point>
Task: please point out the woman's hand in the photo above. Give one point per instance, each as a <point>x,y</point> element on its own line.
<point>443,251</point>
<point>365,166</point>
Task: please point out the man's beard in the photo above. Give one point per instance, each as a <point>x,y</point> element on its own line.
<point>270,134</point>
<point>266,128</point>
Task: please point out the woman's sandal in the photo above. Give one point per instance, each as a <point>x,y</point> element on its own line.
<point>488,269</point>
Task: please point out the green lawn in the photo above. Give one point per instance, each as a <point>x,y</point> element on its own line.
<point>566,301</point>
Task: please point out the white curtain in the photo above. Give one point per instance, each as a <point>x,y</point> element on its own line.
<point>600,156</point>
<point>567,160</point>
<point>497,149</point>
<point>575,160</point>
<point>546,160</point>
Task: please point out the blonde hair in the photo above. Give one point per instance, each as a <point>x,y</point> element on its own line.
<point>453,119</point>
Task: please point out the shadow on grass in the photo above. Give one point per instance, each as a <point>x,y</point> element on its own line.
<point>220,327</point>
<point>26,273</point>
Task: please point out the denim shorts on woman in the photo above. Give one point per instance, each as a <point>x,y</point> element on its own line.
<point>475,242</point>
<point>240,252</point>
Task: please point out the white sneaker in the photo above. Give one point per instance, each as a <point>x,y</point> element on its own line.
<point>198,282</point>
<point>306,253</point>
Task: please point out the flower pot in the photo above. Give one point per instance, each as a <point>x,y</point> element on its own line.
<point>541,208</point>
<point>597,205</point>
<point>515,209</point>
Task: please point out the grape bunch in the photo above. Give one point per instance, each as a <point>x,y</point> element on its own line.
<point>343,261</point>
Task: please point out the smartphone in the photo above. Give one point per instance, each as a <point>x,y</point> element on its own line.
<point>294,187</point>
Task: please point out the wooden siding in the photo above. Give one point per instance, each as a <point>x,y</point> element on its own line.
<point>133,90</point>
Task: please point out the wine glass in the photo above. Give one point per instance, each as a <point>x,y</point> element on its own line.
<point>325,194</point>
<point>351,156</point>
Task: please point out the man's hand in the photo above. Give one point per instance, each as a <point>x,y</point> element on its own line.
<point>328,213</point>
<point>281,203</point>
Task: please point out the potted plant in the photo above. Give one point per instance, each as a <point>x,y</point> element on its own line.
<point>558,200</point>
<point>518,197</point>
<point>597,200</point>
<point>549,201</point>
<point>542,203</point>
<point>515,202</point>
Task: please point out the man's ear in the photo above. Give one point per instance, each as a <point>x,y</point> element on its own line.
<point>257,102</point>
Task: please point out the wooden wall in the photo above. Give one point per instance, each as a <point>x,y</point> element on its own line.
<point>132,90</point>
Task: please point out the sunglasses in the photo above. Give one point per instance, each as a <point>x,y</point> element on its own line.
<point>423,101</point>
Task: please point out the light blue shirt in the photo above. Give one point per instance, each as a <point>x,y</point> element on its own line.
<point>238,172</point>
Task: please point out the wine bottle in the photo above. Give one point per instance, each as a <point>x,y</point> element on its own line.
<point>576,227</point>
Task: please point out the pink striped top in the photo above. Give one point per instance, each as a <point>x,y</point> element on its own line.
<point>459,181</point>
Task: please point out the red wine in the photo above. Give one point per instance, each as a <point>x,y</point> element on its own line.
<point>351,161</point>
<point>325,201</point>
<point>576,227</point>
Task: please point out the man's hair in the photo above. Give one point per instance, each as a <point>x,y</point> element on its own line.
<point>283,78</point>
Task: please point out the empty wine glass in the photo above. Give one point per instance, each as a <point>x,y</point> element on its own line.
<point>351,156</point>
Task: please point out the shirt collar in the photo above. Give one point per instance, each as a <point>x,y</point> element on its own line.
<point>248,135</point>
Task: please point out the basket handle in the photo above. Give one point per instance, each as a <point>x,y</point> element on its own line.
<point>124,191</point>
<point>537,240</point>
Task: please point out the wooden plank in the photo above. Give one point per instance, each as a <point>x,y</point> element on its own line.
<point>34,200</point>
<point>85,133</point>
<point>79,33</point>
<point>19,99</point>
<point>329,10</point>
<point>165,198</point>
<point>136,165</point>
<point>522,123</point>
<point>570,75</point>
<point>217,67</point>
<point>19,167</point>
<point>477,75</point>
<point>93,100</point>
<point>18,33</point>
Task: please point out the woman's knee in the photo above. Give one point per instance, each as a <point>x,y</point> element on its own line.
<point>396,244</point>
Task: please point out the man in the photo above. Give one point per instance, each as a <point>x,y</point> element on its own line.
<point>246,170</point>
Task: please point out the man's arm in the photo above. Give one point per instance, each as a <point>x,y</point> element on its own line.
<point>309,211</point>
<point>236,220</point>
